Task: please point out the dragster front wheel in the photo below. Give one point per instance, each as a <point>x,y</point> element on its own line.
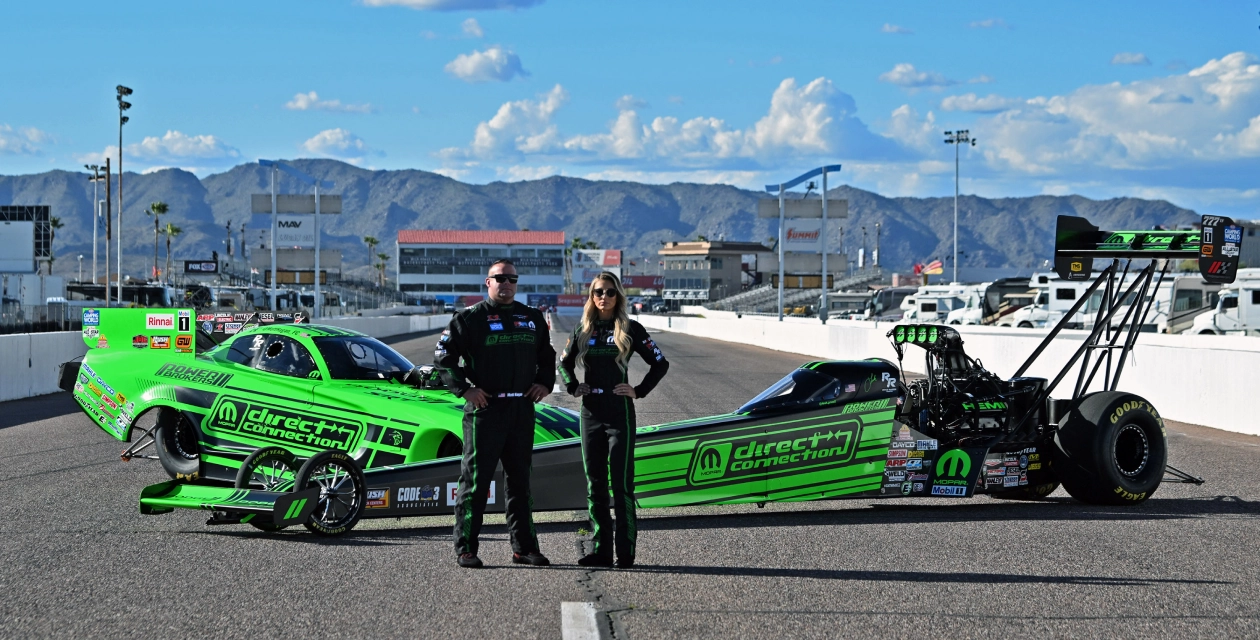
<point>342,492</point>
<point>267,469</point>
<point>1111,449</point>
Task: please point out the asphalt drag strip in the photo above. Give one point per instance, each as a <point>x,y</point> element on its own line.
<point>79,560</point>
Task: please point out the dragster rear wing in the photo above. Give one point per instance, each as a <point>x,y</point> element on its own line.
<point>1077,243</point>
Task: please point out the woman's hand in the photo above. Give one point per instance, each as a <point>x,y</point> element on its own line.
<point>624,389</point>
<point>582,390</point>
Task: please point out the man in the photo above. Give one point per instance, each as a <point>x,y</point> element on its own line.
<point>508,364</point>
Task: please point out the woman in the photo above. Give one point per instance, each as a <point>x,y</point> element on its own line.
<point>601,344</point>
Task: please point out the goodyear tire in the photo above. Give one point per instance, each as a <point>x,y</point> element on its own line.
<point>1030,492</point>
<point>176,442</point>
<point>342,491</point>
<point>1111,449</point>
<point>267,469</point>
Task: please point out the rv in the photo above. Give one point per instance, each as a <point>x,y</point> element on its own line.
<point>1237,311</point>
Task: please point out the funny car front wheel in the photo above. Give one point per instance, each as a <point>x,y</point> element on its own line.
<point>342,491</point>
<point>1111,449</point>
<point>177,446</point>
<point>267,469</point>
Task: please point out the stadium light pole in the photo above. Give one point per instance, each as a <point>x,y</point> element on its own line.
<point>962,136</point>
<point>96,212</point>
<point>123,105</point>
<point>782,188</point>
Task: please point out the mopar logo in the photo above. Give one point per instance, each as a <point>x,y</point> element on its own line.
<point>710,463</point>
<point>954,462</point>
<point>227,413</point>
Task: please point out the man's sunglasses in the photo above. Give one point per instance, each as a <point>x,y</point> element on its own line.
<point>501,278</point>
<point>603,293</point>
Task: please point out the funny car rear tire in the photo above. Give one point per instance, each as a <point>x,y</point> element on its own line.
<point>176,443</point>
<point>1111,449</point>
<point>342,492</point>
<point>267,469</point>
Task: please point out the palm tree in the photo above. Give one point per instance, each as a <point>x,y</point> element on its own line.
<point>56,224</point>
<point>384,258</point>
<point>170,231</point>
<point>371,242</point>
<point>156,209</point>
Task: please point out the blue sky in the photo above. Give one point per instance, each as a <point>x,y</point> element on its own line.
<point>1149,99</point>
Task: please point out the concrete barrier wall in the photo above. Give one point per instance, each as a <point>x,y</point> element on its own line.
<point>29,362</point>
<point>389,326</point>
<point>1204,380</point>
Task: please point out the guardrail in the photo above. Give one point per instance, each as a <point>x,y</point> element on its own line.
<point>1204,380</point>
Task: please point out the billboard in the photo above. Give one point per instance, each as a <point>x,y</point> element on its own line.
<point>588,263</point>
<point>802,235</point>
<point>295,231</point>
<point>201,266</point>
<point>643,282</point>
<point>17,247</point>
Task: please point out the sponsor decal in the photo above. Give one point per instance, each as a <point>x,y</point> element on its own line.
<point>925,445</point>
<point>452,493</point>
<point>523,325</point>
<point>1233,233</point>
<point>184,320</point>
<point>205,316</point>
<point>984,406</point>
<point>1023,462</point>
<point>938,490</point>
<point>159,342</point>
<point>914,463</point>
<point>194,374</point>
<point>232,327</point>
<point>208,327</point>
<point>102,343</point>
<point>159,321</point>
<point>897,453</point>
<point>91,317</point>
<point>1010,481</point>
<point>996,471</point>
<point>267,317</point>
<point>91,332</point>
<point>1034,457</point>
<point>918,487</point>
<point>904,433</point>
<point>109,402</point>
<point>492,318</point>
<point>496,326</point>
<point>1077,266</point>
<point>862,407</point>
<point>1206,250</point>
<point>272,422</point>
<point>1036,466</point>
<point>509,338</point>
<point>184,343</point>
<point>895,476</point>
<point>1229,250</point>
<point>241,317</point>
<point>906,488</point>
<point>805,446</point>
<point>954,462</point>
<point>915,454</point>
<point>900,445</point>
<point>850,388</point>
<point>140,342</point>
<point>425,496</point>
<point>895,463</point>
<point>94,389</point>
<point>1011,463</point>
<point>1218,268</point>
<point>918,477</point>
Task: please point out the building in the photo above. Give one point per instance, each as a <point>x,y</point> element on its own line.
<point>1249,252</point>
<point>701,271</point>
<point>452,265</point>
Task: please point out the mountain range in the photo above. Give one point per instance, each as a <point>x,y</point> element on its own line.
<point>993,232</point>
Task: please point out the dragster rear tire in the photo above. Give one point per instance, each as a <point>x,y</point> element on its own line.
<point>264,469</point>
<point>343,492</point>
<point>176,442</point>
<point>1111,449</point>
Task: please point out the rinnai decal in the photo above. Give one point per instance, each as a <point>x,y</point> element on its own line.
<point>159,321</point>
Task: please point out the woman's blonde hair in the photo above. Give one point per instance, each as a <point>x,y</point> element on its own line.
<point>621,321</point>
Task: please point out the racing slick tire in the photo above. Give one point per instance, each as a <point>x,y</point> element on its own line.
<point>342,492</point>
<point>176,442</point>
<point>1030,492</point>
<point>1111,449</point>
<point>266,469</point>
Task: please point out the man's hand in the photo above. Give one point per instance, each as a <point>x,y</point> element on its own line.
<point>477,397</point>
<point>623,389</point>
<point>537,392</point>
<point>582,390</point>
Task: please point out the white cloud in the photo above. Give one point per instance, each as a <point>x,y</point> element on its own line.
<point>472,28</point>
<point>337,143</point>
<point>454,5</point>
<point>21,141</point>
<point>172,149</point>
<point>981,79</point>
<point>897,29</point>
<point>493,64</point>
<point>990,23</point>
<point>310,101</point>
<point>429,34</point>
<point>629,103</point>
<point>907,128</point>
<point>519,173</point>
<point>969,102</point>
<point>676,99</point>
<point>904,74</point>
<point>517,126</point>
<point>1138,59</point>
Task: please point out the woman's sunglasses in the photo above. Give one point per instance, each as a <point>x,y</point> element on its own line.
<point>501,278</point>
<point>603,293</point>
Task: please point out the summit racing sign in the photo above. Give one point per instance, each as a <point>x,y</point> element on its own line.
<point>280,424</point>
<point>786,450</point>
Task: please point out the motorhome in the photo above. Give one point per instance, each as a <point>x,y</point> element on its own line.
<point>993,300</point>
<point>1237,311</point>
<point>885,304</point>
<point>934,302</point>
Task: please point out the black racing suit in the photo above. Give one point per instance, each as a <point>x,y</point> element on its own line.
<point>504,349</point>
<point>608,426</point>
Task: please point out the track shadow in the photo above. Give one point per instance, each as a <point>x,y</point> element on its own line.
<point>962,577</point>
<point>53,405</point>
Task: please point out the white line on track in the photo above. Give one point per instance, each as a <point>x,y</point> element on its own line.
<point>578,621</point>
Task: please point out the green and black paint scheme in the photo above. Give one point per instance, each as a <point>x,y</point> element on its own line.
<point>830,429</point>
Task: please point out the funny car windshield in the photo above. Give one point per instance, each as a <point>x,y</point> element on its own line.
<point>361,358</point>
